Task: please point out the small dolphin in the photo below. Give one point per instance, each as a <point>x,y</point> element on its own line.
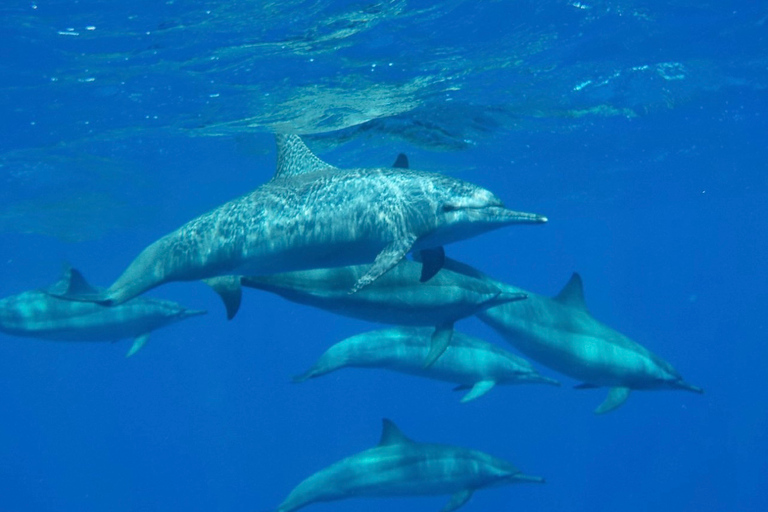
<point>40,314</point>
<point>314,215</point>
<point>399,297</point>
<point>561,334</point>
<point>398,466</point>
<point>470,362</point>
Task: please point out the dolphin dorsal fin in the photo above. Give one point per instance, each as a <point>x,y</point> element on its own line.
<point>401,162</point>
<point>391,434</point>
<point>295,158</point>
<point>71,283</point>
<point>572,293</point>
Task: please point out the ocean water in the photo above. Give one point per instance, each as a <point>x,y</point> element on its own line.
<point>637,128</point>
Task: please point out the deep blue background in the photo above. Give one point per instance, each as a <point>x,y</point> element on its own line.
<point>663,214</point>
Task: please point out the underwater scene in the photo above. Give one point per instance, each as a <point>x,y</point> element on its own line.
<point>385,255</point>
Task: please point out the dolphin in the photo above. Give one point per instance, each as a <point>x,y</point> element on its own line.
<point>40,314</point>
<point>399,297</point>
<point>314,215</point>
<point>470,362</point>
<point>398,466</point>
<point>562,334</point>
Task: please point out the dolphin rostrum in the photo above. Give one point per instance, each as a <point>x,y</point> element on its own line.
<point>470,362</point>
<point>399,297</point>
<point>40,314</point>
<point>314,215</point>
<point>398,466</point>
<point>561,334</point>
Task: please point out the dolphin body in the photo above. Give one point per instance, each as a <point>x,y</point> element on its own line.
<point>398,297</point>
<point>398,466</point>
<point>470,362</point>
<point>40,314</point>
<point>314,215</point>
<point>560,333</point>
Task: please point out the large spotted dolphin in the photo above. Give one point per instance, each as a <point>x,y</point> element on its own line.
<point>314,215</point>
<point>560,333</point>
<point>40,314</point>
<point>399,466</point>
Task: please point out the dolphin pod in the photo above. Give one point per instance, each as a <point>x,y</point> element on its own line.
<point>40,314</point>
<point>398,466</point>
<point>398,297</point>
<point>314,215</point>
<point>471,363</point>
<point>560,333</point>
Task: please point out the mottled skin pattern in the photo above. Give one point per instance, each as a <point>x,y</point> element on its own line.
<point>401,467</point>
<point>561,334</point>
<point>398,297</point>
<point>312,215</point>
<point>467,360</point>
<point>37,314</point>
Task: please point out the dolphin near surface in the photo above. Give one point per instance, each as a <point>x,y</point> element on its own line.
<point>399,297</point>
<point>468,361</point>
<point>560,333</point>
<point>40,314</point>
<point>314,215</point>
<point>398,466</point>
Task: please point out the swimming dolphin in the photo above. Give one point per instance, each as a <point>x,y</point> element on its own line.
<point>314,215</point>
<point>398,466</point>
<point>40,314</point>
<point>561,334</point>
<point>399,297</point>
<point>470,362</point>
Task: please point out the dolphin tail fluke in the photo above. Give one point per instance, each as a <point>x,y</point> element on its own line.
<point>138,343</point>
<point>230,291</point>
<point>458,500</point>
<point>616,397</point>
<point>441,338</point>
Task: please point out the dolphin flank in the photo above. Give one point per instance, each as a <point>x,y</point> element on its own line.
<point>314,215</point>
<point>398,466</point>
<point>470,362</point>
<point>40,314</point>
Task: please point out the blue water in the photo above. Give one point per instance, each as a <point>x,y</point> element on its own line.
<point>638,129</point>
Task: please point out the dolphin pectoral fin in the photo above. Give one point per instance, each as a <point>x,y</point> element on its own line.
<point>230,291</point>
<point>388,258</point>
<point>616,397</point>
<point>439,342</point>
<point>432,260</point>
<point>458,500</point>
<point>139,342</point>
<point>479,389</point>
<point>585,385</point>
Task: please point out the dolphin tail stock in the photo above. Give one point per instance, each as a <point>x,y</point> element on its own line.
<point>230,290</point>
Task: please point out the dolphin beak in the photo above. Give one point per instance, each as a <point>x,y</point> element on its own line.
<point>681,384</point>
<point>501,214</point>
<point>545,380</point>
<point>520,477</point>
<point>194,312</point>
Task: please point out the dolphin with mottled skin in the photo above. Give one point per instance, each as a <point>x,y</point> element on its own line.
<point>560,333</point>
<point>399,297</point>
<point>472,363</point>
<point>314,215</point>
<point>40,314</point>
<point>399,466</point>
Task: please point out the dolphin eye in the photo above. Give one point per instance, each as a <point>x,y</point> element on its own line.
<point>448,207</point>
